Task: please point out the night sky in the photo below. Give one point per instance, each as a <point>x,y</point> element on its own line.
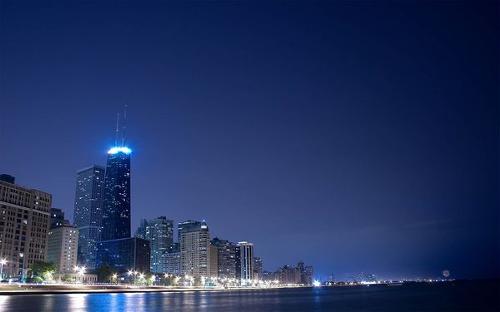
<point>356,136</point>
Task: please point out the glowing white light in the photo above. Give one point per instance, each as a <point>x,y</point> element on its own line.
<point>316,283</point>
<point>119,149</point>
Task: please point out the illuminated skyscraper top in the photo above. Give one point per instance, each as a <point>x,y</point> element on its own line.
<point>116,200</point>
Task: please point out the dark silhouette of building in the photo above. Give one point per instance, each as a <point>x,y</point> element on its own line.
<point>116,200</point>
<point>7,178</point>
<point>56,218</point>
<point>124,254</point>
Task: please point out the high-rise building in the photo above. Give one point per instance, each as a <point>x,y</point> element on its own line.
<point>160,234</point>
<point>289,275</point>
<point>213,261</point>
<point>194,240</point>
<point>228,260</point>
<point>173,260</point>
<point>124,254</point>
<point>62,247</point>
<point>257,268</point>
<point>116,200</point>
<point>88,213</point>
<point>24,226</point>
<point>246,262</point>
<point>56,218</point>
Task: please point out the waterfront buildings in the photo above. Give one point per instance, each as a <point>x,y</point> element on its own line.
<point>88,213</point>
<point>62,247</point>
<point>228,263</point>
<point>160,234</point>
<point>246,262</point>
<point>116,200</point>
<point>24,225</point>
<point>124,254</point>
<point>300,274</point>
<point>194,239</point>
<point>306,273</point>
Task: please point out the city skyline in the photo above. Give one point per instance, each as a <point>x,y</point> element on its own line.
<point>355,140</point>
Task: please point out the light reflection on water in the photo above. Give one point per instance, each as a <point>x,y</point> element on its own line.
<point>340,299</point>
<point>137,302</point>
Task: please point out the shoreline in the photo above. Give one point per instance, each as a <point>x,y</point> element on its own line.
<point>64,290</point>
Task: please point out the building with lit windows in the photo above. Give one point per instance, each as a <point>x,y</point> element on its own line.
<point>246,262</point>
<point>62,248</point>
<point>228,261</point>
<point>24,226</point>
<point>194,239</point>
<point>116,199</point>
<point>160,234</point>
<point>88,213</point>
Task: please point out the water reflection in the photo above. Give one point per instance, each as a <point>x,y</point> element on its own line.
<point>76,302</point>
<point>168,301</point>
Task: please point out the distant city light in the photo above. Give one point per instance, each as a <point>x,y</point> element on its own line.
<point>316,283</point>
<point>119,149</point>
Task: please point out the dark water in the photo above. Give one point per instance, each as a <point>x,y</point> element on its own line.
<point>459,296</point>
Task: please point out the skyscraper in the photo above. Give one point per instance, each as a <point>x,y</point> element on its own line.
<point>160,234</point>
<point>257,267</point>
<point>246,261</point>
<point>213,261</point>
<point>173,260</point>
<point>88,212</point>
<point>116,200</point>
<point>228,260</point>
<point>62,247</point>
<point>194,240</point>
<point>24,226</point>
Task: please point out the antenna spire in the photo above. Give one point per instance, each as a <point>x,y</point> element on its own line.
<point>124,125</point>
<point>117,128</point>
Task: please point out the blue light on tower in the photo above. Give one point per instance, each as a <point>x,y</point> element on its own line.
<point>119,149</point>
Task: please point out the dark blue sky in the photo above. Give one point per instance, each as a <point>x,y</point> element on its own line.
<point>356,136</point>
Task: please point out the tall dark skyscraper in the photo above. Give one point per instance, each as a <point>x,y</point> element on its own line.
<point>88,212</point>
<point>116,200</point>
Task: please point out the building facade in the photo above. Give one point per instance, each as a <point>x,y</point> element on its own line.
<point>116,200</point>
<point>257,268</point>
<point>228,259</point>
<point>24,226</point>
<point>160,234</point>
<point>62,248</point>
<point>88,213</point>
<point>213,261</point>
<point>306,273</point>
<point>173,260</point>
<point>124,254</point>
<point>246,262</point>
<point>194,239</point>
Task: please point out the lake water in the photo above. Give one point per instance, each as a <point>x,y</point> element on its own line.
<point>457,296</point>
